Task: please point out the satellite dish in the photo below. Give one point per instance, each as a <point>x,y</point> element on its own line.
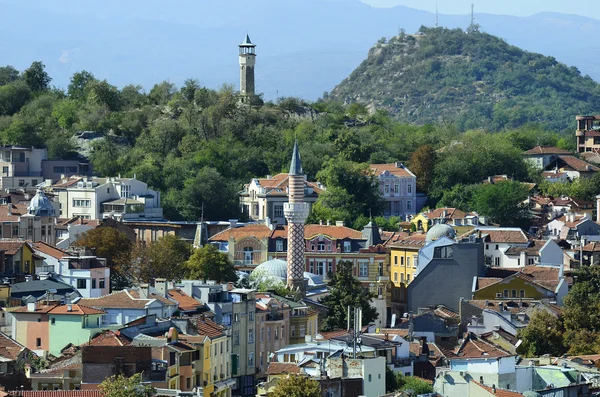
<point>405,315</point>
<point>393,323</point>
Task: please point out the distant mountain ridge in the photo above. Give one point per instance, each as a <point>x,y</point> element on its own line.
<point>475,80</point>
<point>305,47</point>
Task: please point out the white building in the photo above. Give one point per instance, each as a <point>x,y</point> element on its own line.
<point>497,240</point>
<point>537,252</point>
<point>122,307</point>
<point>100,198</point>
<point>398,187</point>
<point>87,273</point>
<point>541,156</point>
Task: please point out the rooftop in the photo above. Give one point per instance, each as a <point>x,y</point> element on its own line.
<point>116,300</point>
<point>539,150</point>
<point>396,169</point>
<point>9,348</point>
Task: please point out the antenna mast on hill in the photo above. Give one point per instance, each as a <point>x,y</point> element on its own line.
<point>473,27</point>
<point>472,14</point>
<point>436,14</point>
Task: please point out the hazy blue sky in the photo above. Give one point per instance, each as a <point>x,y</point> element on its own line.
<point>510,7</point>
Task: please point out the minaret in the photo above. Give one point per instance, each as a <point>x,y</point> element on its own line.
<point>296,212</point>
<point>247,61</point>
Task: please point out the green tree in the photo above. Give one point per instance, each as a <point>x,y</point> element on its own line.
<point>346,291</point>
<point>65,113</point>
<point>13,96</point>
<point>422,164</point>
<point>297,386</point>
<point>163,258</point>
<point>115,247</point>
<point>208,263</point>
<point>104,157</point>
<point>8,74</point>
<point>79,85</point>
<point>103,94</point>
<point>543,335</point>
<point>36,77</point>
<point>121,386</point>
<point>502,202</point>
<point>416,385</point>
<point>582,303</point>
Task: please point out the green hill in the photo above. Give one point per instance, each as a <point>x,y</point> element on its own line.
<point>474,79</point>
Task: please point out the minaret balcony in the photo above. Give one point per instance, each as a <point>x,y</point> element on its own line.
<point>296,212</point>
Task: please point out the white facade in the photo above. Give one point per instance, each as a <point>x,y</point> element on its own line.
<point>99,198</point>
<point>550,254</point>
<point>398,187</point>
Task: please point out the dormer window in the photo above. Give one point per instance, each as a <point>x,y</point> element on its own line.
<point>321,247</point>
<point>347,246</point>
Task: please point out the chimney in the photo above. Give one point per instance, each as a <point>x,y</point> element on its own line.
<point>328,222</point>
<point>161,286</point>
<point>490,179</point>
<point>339,223</point>
<point>233,223</point>
<point>494,389</point>
<point>9,209</point>
<point>31,306</point>
<point>321,221</point>
<point>69,308</point>
<point>399,164</point>
<point>144,291</point>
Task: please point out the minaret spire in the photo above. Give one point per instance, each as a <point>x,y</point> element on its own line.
<point>296,212</point>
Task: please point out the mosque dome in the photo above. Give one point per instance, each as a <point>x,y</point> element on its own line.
<point>273,267</point>
<point>438,231</point>
<point>40,205</point>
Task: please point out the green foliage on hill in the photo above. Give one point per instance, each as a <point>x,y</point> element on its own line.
<point>472,79</point>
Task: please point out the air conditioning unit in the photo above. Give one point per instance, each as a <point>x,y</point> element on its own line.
<point>499,295</point>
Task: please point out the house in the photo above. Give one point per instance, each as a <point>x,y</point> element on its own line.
<point>497,240</point>
<point>555,176</point>
<point>99,198</point>
<point>550,284</point>
<point>537,252</point>
<point>263,198</point>
<point>572,227</point>
<point>476,359</point>
<point>443,260</point>
<point>37,290</point>
<point>272,329</point>
<point>13,355</point>
<point>243,330</point>
<point>541,156</point>
<point>573,167</point>
<point>435,325</point>
<point>563,205</point>
<point>69,230</point>
<point>450,216</point>
<point>49,328</point>
<point>63,373</point>
<point>122,307</point>
<point>19,258</point>
<point>86,272</point>
<point>26,167</point>
<point>398,188</point>
<point>588,136</point>
<point>591,253</point>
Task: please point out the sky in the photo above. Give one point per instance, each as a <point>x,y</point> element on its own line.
<point>507,7</point>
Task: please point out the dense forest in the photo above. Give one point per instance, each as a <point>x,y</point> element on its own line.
<point>472,79</point>
<point>200,146</point>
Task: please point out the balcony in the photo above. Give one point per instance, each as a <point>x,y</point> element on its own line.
<point>274,317</point>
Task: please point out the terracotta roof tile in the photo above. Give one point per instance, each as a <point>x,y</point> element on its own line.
<point>16,211</point>
<point>209,328</point>
<point>310,231</point>
<point>575,164</point>
<point>136,294</point>
<point>546,150</point>
<point>11,247</point>
<point>533,248</point>
<point>414,240</point>
<point>451,213</point>
<point>9,348</point>
<point>40,309</point>
<point>186,302</point>
<point>501,234</point>
<point>379,169</point>
<point>76,309</point>
<point>258,231</point>
<point>49,250</point>
<point>116,300</point>
<point>283,368</point>
<point>475,348</point>
<point>498,392</point>
<point>109,338</point>
<point>333,334</point>
<point>483,282</point>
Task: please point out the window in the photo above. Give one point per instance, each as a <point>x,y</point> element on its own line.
<point>321,247</point>
<point>497,261</point>
<point>380,270</point>
<point>81,283</point>
<point>395,276</point>
<point>442,253</point>
<point>347,246</point>
<point>363,270</point>
<point>101,283</point>
<point>251,316</point>
<point>522,293</point>
<point>514,293</point>
<point>59,170</point>
<point>311,266</point>
<point>82,203</point>
<point>396,189</point>
<point>278,211</point>
<point>276,333</point>
<point>125,191</point>
<point>236,338</point>
<point>407,278</point>
<point>395,261</point>
<point>401,277</point>
<point>268,334</point>
<point>321,268</point>
<point>329,266</point>
<point>236,317</point>
<point>497,246</point>
<point>34,182</point>
<point>401,261</point>
<point>386,189</point>
<point>53,321</point>
<point>251,359</point>
<point>409,188</point>
<point>487,246</point>
<point>250,336</point>
<point>408,205</point>
<point>38,342</point>
<point>93,283</point>
<point>5,170</point>
<point>293,331</point>
<point>505,294</point>
<point>262,334</point>
<point>302,331</point>
<point>369,377</point>
<point>408,261</point>
<point>279,245</point>
<point>21,182</point>
<point>248,251</point>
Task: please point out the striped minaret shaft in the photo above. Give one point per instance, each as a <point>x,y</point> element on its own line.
<point>296,212</point>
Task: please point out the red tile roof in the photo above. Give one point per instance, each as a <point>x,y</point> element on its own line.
<point>498,392</point>
<point>538,150</point>
<point>576,164</point>
<point>109,338</point>
<point>502,235</point>
<point>61,393</point>
<point>475,348</point>
<point>392,168</point>
<point>257,231</point>
<point>414,240</point>
<point>136,294</point>
<point>186,302</point>
<point>310,231</point>
<point>76,309</point>
<point>116,300</point>
<point>9,348</point>
<point>283,368</point>
<point>450,213</point>
<point>16,211</point>
<point>11,247</point>
<point>49,250</point>
<point>209,328</point>
<point>40,309</point>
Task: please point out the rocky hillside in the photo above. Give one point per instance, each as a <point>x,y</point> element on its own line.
<point>472,79</point>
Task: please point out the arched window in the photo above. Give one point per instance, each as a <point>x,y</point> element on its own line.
<point>248,251</point>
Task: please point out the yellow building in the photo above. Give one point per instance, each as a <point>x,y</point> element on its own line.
<point>450,216</point>
<point>517,286</point>
<point>403,258</point>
